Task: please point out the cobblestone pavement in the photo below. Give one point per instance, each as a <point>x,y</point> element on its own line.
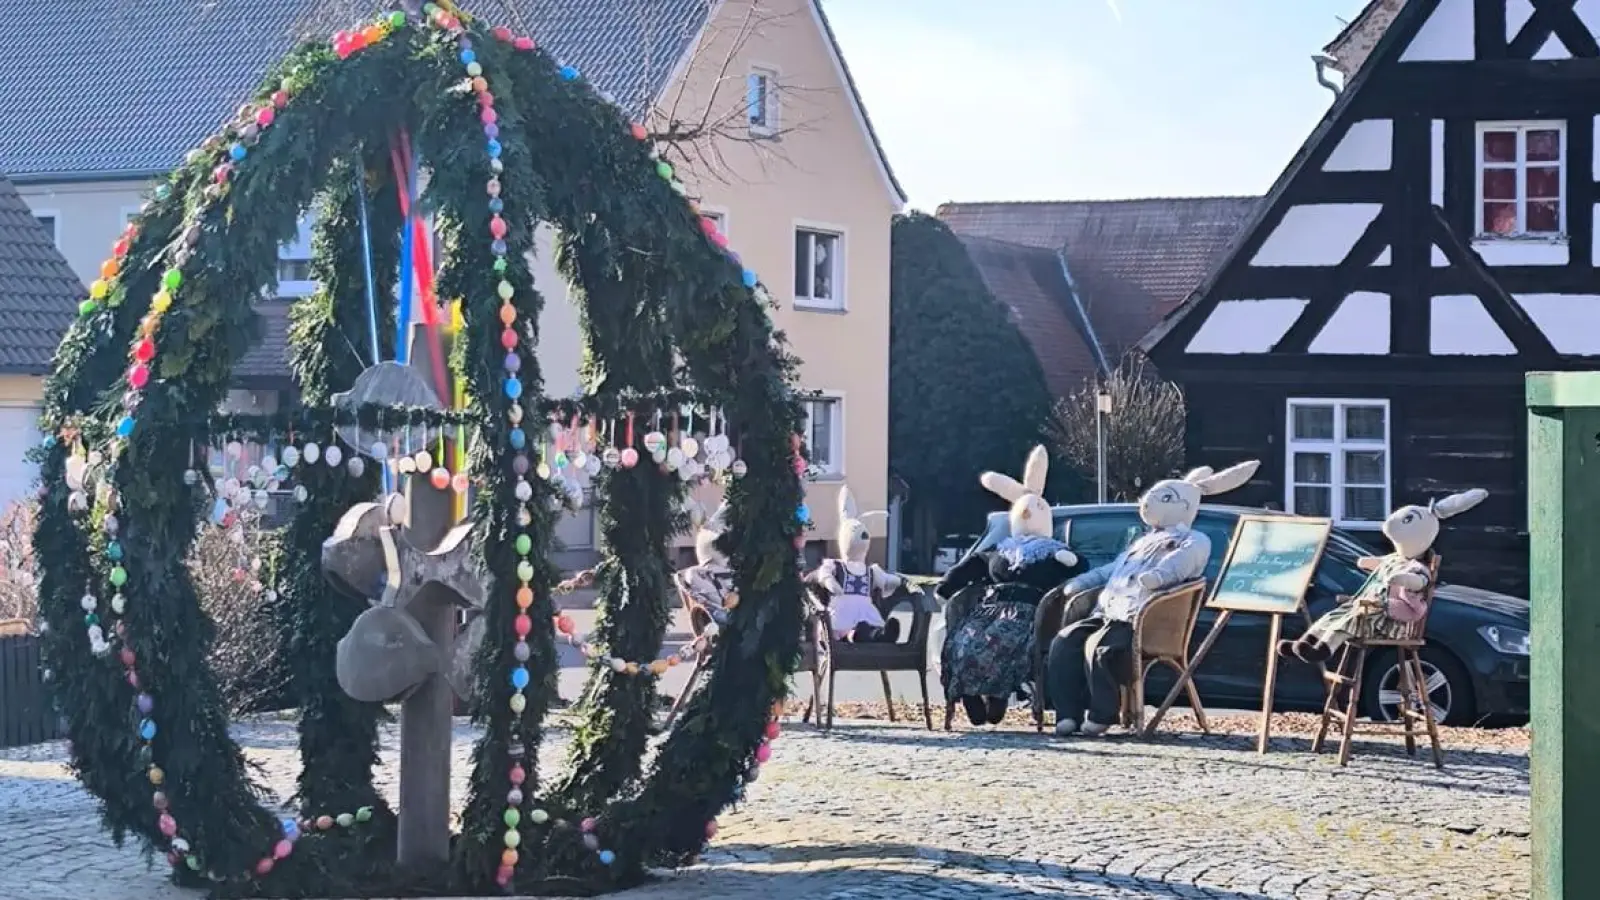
<point>881,812</point>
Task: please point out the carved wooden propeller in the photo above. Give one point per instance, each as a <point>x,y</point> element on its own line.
<point>386,653</point>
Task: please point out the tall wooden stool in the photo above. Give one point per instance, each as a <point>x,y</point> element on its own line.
<point>1345,678</point>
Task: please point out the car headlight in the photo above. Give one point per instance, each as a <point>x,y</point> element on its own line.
<point>1510,641</point>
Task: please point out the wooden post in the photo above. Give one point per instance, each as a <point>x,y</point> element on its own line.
<point>426,716</point>
<point>1563,508</point>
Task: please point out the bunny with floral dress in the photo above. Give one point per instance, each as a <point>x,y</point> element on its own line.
<point>850,580</point>
<point>988,648</point>
<point>1395,595</point>
<point>1086,686</point>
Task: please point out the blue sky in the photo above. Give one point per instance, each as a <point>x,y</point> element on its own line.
<point>1075,99</point>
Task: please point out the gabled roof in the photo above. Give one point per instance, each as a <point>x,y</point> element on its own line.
<point>856,105</point>
<point>1030,284</point>
<point>158,76</point>
<point>39,293</point>
<point>1354,43</point>
<point>1131,261</point>
<point>1405,24</point>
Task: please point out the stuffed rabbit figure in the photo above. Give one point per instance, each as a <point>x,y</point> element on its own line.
<point>1086,667</point>
<point>1395,595</point>
<point>850,580</point>
<point>710,582</point>
<point>988,646</point>
<point>1029,516</point>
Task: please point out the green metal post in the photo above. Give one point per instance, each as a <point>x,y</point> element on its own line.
<point>1564,524</point>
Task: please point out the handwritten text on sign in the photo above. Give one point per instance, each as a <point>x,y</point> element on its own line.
<point>1270,564</point>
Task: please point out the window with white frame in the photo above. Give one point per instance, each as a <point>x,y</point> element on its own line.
<point>294,263</point>
<point>761,100</point>
<point>818,273</point>
<point>825,434</point>
<point>1338,465</point>
<point>1521,179</point>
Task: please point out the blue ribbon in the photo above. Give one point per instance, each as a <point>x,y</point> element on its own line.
<point>366,261</point>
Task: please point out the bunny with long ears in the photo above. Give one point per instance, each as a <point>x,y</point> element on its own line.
<point>1086,664</point>
<point>850,580</point>
<point>988,647</point>
<point>710,582</point>
<point>1395,596</point>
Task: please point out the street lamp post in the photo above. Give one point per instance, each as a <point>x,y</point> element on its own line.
<point>1102,409</point>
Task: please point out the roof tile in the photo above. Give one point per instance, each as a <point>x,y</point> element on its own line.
<point>39,294</point>
<point>1028,282</point>
<point>1132,261</point>
<point>161,75</point>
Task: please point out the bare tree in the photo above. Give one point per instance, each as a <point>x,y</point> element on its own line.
<point>19,586</point>
<point>1143,432</point>
<point>231,572</point>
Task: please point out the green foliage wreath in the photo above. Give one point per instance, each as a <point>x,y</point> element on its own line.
<point>666,314</point>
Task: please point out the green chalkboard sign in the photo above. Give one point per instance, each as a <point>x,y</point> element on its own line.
<point>1270,563</point>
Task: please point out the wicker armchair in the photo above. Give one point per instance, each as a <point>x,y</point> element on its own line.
<point>1162,631</point>
<point>811,653</point>
<point>908,655</point>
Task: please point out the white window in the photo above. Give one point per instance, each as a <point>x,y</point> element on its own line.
<point>1338,463</point>
<point>51,226</point>
<point>825,435</point>
<point>818,269</point>
<point>1522,179</point>
<point>761,100</point>
<point>294,264</point>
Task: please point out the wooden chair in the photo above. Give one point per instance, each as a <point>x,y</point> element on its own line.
<point>908,655</point>
<point>811,657</point>
<point>1345,679</point>
<point>1162,631</point>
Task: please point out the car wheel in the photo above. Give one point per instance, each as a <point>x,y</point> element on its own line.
<point>1449,688</point>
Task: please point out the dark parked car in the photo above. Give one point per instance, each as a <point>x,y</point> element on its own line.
<point>1476,660</point>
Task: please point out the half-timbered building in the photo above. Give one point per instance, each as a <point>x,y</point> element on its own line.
<point>1367,333</point>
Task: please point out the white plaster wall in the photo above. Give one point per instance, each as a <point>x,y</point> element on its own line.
<point>560,344</point>
<point>1552,48</point>
<point>1318,234</point>
<point>1446,36</point>
<point>1462,327</point>
<point>1366,147</point>
<point>1246,326</point>
<point>1436,163</point>
<point>1588,11</point>
<point>1570,321</point>
<point>1530,252</point>
<point>1359,326</point>
<point>1518,12</point>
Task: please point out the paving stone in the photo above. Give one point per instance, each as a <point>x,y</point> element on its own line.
<point>884,812</point>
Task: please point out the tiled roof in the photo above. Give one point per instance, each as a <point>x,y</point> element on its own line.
<point>1028,281</point>
<point>1131,261</point>
<point>39,293</point>
<point>97,88</point>
<point>268,360</point>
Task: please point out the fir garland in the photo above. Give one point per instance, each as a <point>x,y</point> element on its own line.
<point>653,283</point>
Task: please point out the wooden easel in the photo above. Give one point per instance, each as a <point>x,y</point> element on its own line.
<point>1277,606</point>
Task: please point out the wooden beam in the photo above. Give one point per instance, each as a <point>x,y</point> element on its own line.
<point>1410,305</point>
<point>1331,290</point>
<point>1531,36</point>
<point>1581,194</point>
<point>1531,343</point>
<point>1342,187</point>
<point>1460,174</point>
<point>1489,29</point>
<point>1565,22</point>
<point>1509,88</point>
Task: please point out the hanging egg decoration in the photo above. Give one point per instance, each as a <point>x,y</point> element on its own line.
<point>460,482</point>
<point>291,457</point>
<point>77,472</point>
<point>675,458</point>
<point>440,478</point>
<point>300,493</point>
<point>191,477</point>
<point>407,465</point>
<point>591,464</point>
<point>356,466</point>
<point>333,456</point>
<point>654,441</point>
<point>378,450</point>
<point>738,468</point>
<point>424,461</point>
<point>311,452</point>
<point>269,463</point>
<point>689,447</point>
<point>262,499</point>
<point>234,449</point>
<point>611,458</point>
<point>629,458</point>
<point>658,456</point>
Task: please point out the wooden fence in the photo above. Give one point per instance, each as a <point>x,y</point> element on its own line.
<point>26,716</point>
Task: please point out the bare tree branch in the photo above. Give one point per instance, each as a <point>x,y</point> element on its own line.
<point>1143,432</point>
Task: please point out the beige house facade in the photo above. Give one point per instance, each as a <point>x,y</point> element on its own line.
<point>785,159</point>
